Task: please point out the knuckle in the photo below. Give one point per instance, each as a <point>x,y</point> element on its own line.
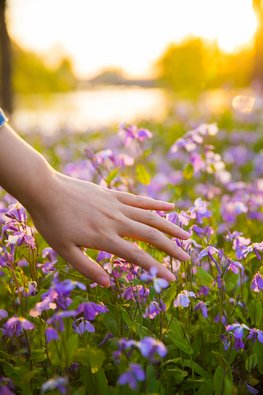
<point>153,234</point>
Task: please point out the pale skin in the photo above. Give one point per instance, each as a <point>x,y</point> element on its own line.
<point>71,214</point>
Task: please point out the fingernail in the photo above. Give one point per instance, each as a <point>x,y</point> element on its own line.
<point>171,277</point>
<point>170,205</point>
<point>185,256</point>
<point>185,234</point>
<point>105,281</point>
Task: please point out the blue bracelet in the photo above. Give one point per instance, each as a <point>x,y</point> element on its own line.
<point>3,118</point>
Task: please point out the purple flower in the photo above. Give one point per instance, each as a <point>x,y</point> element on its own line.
<point>81,326</point>
<point>136,293</point>
<point>201,306</point>
<point>257,283</point>
<point>154,309</point>
<point>158,283</point>
<point>256,334</point>
<point>237,329</point>
<point>183,298</point>
<point>57,319</point>
<point>47,303</point>
<point>90,310</point>
<point>149,347</point>
<point>51,259</point>
<point>252,390</point>
<point>16,212</point>
<point>200,210</point>
<point>208,251</point>
<point>51,334</point>
<point>3,313</point>
<point>6,386</point>
<point>59,383</point>
<point>15,326</point>
<point>236,267</point>
<point>131,377</point>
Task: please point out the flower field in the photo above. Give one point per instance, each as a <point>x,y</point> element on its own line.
<point>203,333</point>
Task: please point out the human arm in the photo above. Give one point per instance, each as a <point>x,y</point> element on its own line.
<point>70,213</point>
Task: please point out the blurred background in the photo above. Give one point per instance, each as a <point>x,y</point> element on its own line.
<point>88,64</point>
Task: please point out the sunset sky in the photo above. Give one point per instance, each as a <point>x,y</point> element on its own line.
<point>130,34</point>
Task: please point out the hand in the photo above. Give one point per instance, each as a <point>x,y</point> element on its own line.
<point>74,214</point>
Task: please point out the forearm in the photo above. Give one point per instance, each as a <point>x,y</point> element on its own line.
<point>24,173</point>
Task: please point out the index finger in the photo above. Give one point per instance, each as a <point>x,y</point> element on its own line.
<point>143,202</point>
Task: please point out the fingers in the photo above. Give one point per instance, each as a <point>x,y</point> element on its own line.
<point>137,256</point>
<point>143,202</point>
<point>87,266</point>
<point>153,236</point>
<point>154,220</point>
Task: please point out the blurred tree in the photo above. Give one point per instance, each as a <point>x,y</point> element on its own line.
<point>258,64</point>
<point>32,75</point>
<point>182,66</point>
<point>5,62</point>
<point>196,65</point>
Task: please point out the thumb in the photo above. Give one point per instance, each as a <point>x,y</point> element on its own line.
<point>87,266</point>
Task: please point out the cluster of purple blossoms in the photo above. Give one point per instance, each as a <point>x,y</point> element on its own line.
<point>131,132</point>
<point>132,376</point>
<point>58,295</point>
<point>50,259</point>
<point>14,326</point>
<point>16,229</point>
<point>149,348</point>
<point>136,293</point>
<point>154,309</point>
<point>237,331</point>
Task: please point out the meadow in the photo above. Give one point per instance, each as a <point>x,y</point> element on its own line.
<point>203,333</point>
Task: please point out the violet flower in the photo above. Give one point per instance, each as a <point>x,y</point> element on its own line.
<point>57,383</point>
<point>202,306</point>
<point>149,347</point>
<point>257,282</point>
<point>183,298</point>
<point>51,334</point>
<point>132,376</point>
<point>158,283</point>
<point>154,309</point>
<point>14,326</point>
<point>81,326</point>
<point>256,334</point>
<point>90,310</point>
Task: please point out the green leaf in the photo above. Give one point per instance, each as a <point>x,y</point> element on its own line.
<point>71,345</point>
<point>204,277</point>
<point>255,312</point>
<point>220,359</point>
<point>91,357</point>
<point>188,171</point>
<point>178,374</point>
<point>195,367</point>
<point>142,175</point>
<point>219,378</point>
<point>169,294</point>
<point>112,175</point>
<point>251,362</point>
<point>182,344</point>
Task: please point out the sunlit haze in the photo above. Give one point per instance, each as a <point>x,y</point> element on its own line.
<point>130,34</point>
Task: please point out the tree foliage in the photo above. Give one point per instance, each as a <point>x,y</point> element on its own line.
<point>32,75</point>
<point>195,65</point>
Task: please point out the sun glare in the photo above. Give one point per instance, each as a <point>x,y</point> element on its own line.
<point>130,34</point>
